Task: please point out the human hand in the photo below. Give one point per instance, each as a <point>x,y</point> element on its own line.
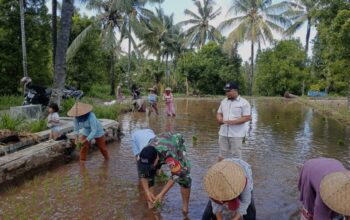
<point>150,196</point>
<point>158,199</point>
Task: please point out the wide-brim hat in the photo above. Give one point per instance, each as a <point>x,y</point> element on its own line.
<point>167,89</point>
<point>151,89</point>
<point>224,181</point>
<point>79,109</point>
<point>335,192</point>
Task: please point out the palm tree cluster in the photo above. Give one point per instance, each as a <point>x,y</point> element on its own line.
<point>154,33</point>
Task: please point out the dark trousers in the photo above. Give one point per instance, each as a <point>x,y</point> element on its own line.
<point>209,215</point>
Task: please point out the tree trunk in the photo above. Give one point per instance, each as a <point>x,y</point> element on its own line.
<point>129,47</point>
<point>308,30</point>
<point>62,45</point>
<point>251,75</point>
<point>112,74</point>
<point>54,30</point>
<point>167,71</point>
<point>349,95</point>
<point>23,38</point>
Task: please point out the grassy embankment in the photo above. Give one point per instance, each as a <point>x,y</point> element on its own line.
<point>333,107</point>
<point>96,97</point>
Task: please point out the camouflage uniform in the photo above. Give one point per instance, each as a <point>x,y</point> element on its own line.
<point>172,151</point>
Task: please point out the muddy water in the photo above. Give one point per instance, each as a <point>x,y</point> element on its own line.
<point>282,135</point>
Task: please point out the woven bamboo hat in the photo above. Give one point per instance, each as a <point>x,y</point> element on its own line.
<point>224,181</point>
<point>335,192</point>
<point>151,89</point>
<point>79,109</point>
<point>167,89</point>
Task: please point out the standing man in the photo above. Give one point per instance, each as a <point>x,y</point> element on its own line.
<point>165,148</point>
<point>233,113</point>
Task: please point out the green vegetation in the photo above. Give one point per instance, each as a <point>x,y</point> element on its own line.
<point>11,123</point>
<point>8,101</point>
<point>281,68</point>
<point>190,59</point>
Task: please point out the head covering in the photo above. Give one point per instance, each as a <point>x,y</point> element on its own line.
<point>151,89</point>
<point>231,85</point>
<point>147,157</point>
<point>224,181</point>
<point>167,89</point>
<point>79,109</point>
<point>335,192</point>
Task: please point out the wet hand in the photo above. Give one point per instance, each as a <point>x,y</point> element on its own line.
<point>150,197</point>
<point>158,198</point>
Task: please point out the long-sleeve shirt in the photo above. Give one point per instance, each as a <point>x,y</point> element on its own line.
<point>140,139</point>
<point>311,175</point>
<point>245,198</point>
<point>92,127</point>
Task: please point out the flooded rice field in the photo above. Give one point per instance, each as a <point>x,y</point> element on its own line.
<point>281,136</point>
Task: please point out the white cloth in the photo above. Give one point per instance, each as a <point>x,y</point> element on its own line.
<point>231,110</point>
<point>245,197</point>
<point>53,120</point>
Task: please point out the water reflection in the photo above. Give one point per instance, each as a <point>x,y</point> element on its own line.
<point>281,135</point>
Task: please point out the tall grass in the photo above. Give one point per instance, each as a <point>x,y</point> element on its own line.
<point>8,101</point>
<point>11,123</point>
<point>36,126</point>
<point>109,112</point>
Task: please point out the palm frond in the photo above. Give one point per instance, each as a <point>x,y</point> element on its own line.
<point>231,22</point>
<point>296,25</point>
<point>192,14</point>
<point>77,42</point>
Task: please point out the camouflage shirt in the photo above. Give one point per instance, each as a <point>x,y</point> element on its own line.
<point>172,151</point>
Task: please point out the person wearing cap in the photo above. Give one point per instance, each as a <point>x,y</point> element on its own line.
<point>140,139</point>
<point>324,186</point>
<point>165,148</point>
<point>92,129</point>
<point>233,113</point>
<point>152,101</point>
<point>229,184</point>
<point>169,101</point>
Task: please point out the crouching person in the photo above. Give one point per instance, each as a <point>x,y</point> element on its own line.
<point>229,185</point>
<point>165,148</point>
<point>324,186</point>
<point>92,129</point>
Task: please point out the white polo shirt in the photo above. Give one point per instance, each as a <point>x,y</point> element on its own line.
<point>231,110</point>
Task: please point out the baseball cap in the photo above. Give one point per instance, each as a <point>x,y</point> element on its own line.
<point>145,162</point>
<point>231,85</point>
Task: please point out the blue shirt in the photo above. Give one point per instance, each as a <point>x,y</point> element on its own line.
<point>92,127</point>
<point>140,139</point>
<point>152,98</point>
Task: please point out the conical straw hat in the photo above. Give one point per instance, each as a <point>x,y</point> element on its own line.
<point>335,192</point>
<point>167,89</point>
<point>224,181</point>
<point>79,109</point>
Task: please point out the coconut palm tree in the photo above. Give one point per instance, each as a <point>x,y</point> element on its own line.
<point>23,38</point>
<point>62,45</point>
<point>201,30</point>
<point>301,12</point>
<point>54,29</point>
<point>255,21</point>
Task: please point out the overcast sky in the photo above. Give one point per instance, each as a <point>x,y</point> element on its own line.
<point>177,7</point>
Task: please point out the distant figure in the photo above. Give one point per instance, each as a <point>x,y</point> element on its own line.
<point>324,186</point>
<point>169,101</point>
<point>152,101</point>
<point>137,102</point>
<point>92,129</point>
<point>53,121</point>
<point>119,93</point>
<point>233,113</point>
